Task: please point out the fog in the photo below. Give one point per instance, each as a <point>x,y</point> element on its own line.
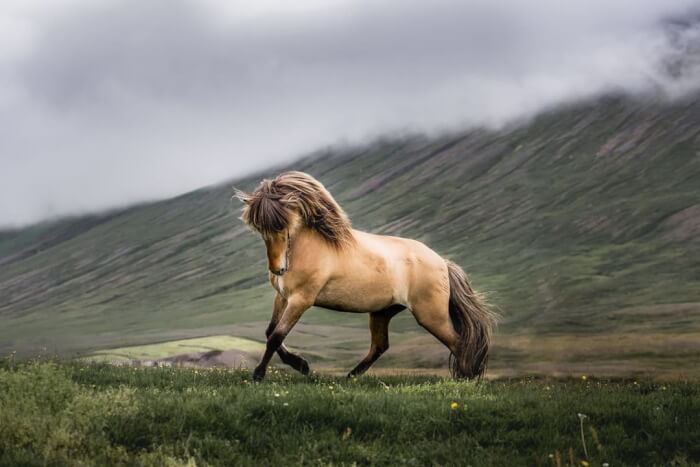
<point>105,103</point>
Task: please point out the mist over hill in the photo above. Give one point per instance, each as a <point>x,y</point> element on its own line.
<point>582,224</point>
<point>104,104</point>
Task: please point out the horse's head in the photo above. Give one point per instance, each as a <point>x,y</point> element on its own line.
<point>278,209</point>
<point>278,249</point>
<point>276,218</point>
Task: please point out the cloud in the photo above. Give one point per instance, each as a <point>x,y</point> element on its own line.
<point>112,102</point>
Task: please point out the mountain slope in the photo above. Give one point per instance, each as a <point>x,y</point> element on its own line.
<point>584,221</point>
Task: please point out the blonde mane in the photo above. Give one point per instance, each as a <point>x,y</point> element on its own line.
<point>269,208</point>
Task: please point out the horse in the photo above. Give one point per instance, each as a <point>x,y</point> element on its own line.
<point>316,258</point>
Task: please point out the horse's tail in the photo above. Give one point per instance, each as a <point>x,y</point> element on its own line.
<point>473,321</point>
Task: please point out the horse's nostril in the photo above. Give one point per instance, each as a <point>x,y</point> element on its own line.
<point>278,272</point>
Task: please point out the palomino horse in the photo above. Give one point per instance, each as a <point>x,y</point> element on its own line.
<point>316,258</point>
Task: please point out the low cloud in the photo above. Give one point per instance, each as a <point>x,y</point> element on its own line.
<point>108,103</point>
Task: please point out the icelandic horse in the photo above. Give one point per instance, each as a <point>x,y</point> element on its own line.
<point>316,258</point>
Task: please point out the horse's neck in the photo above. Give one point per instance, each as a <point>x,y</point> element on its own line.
<point>307,238</point>
<point>309,242</point>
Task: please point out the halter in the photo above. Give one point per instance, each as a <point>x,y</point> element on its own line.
<point>288,253</point>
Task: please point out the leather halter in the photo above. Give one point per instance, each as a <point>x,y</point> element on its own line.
<point>288,253</point>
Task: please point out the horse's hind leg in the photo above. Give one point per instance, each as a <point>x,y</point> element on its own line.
<point>434,316</point>
<point>292,359</point>
<point>379,329</point>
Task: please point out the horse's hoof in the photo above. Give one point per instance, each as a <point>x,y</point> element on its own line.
<point>304,368</point>
<point>258,375</point>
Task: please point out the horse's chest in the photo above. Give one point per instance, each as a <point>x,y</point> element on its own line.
<point>278,284</point>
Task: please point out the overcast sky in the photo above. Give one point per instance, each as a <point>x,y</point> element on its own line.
<point>104,103</point>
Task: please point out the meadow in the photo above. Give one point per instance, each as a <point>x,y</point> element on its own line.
<point>76,413</point>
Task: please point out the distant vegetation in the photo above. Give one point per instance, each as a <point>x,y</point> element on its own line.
<point>583,225</point>
<point>153,353</point>
<point>73,414</point>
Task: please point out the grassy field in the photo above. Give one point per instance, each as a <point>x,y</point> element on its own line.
<point>77,414</point>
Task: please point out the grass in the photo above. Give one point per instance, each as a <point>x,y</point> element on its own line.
<point>54,413</point>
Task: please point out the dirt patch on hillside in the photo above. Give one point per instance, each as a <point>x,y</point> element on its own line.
<point>683,225</point>
<point>213,358</point>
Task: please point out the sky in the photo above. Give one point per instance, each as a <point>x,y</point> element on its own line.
<point>104,103</point>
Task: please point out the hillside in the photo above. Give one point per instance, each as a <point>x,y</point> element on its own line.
<point>584,222</point>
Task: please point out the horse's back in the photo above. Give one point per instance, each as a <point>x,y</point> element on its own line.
<point>412,269</point>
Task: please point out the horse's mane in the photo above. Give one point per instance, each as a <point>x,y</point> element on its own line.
<point>268,208</point>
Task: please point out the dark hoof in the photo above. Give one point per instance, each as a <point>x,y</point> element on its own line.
<point>259,374</point>
<point>304,367</point>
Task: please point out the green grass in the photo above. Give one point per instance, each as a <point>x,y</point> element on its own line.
<point>77,414</point>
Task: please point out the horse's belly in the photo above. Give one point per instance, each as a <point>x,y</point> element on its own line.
<point>357,298</point>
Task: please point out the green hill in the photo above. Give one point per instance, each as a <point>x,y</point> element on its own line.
<point>582,224</point>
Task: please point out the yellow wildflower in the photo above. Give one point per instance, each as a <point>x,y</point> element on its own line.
<point>454,405</point>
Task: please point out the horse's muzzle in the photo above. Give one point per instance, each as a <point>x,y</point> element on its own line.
<point>278,272</point>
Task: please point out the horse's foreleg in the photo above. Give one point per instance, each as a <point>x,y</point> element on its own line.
<point>292,312</point>
<point>379,329</point>
<point>290,358</point>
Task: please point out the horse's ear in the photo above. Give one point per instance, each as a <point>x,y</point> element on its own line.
<point>241,195</point>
